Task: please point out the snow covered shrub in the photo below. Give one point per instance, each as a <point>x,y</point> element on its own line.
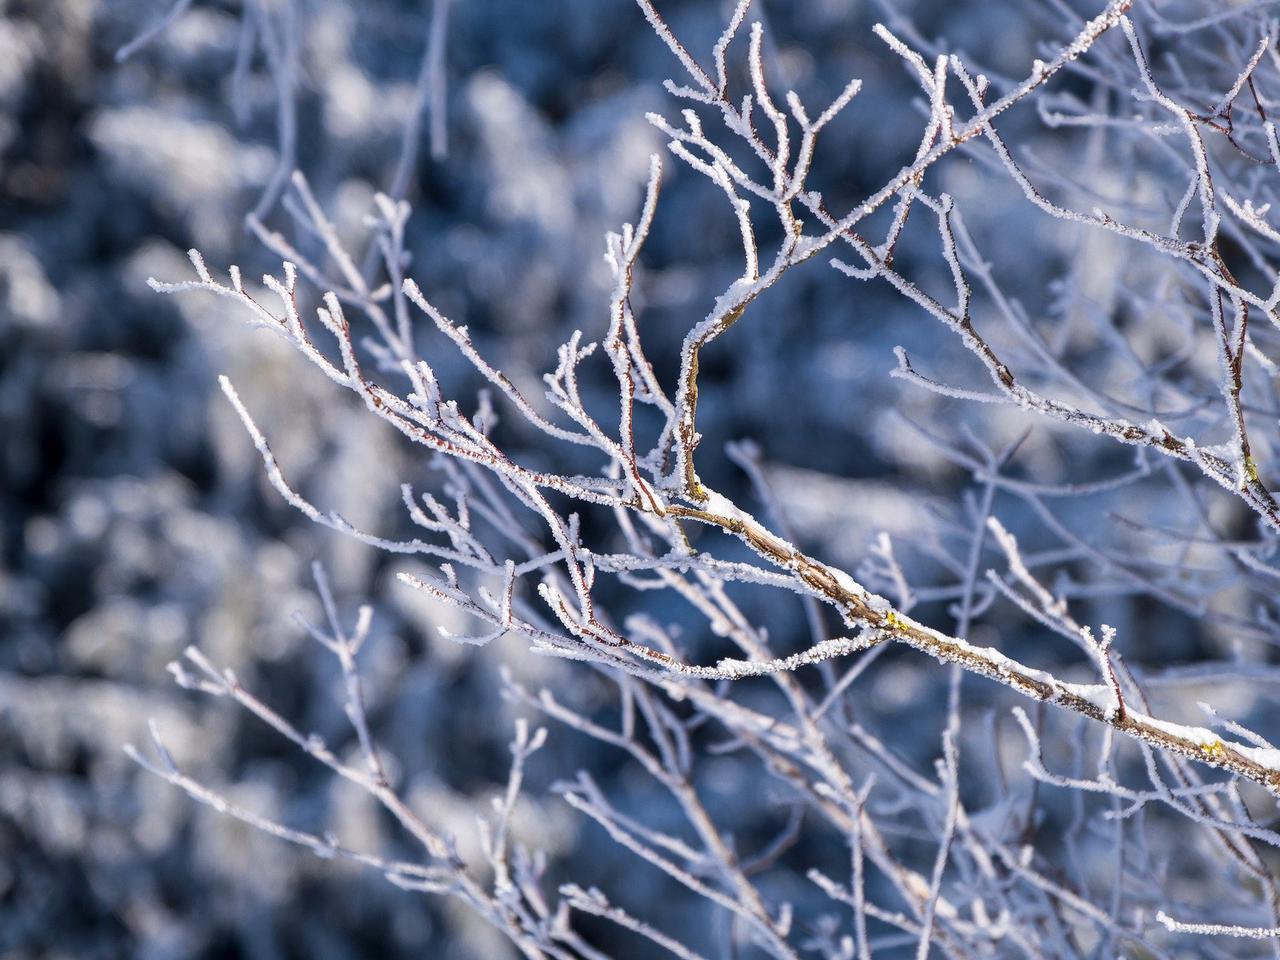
<point>1058,492</point>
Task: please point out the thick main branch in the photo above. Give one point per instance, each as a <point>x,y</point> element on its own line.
<point>860,607</point>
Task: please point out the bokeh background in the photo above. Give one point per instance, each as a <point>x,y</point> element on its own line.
<point>135,519</point>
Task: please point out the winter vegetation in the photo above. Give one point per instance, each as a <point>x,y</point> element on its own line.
<point>872,554</point>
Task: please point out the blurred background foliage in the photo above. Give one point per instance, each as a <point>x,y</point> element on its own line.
<point>135,518</point>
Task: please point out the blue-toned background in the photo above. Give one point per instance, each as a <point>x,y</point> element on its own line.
<point>135,518</point>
